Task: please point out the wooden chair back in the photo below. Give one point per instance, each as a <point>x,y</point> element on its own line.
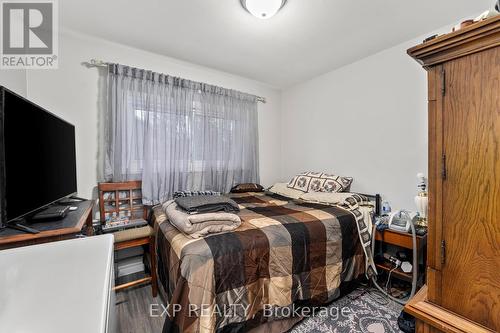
<point>121,198</point>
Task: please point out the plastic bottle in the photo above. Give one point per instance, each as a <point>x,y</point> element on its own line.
<point>386,208</point>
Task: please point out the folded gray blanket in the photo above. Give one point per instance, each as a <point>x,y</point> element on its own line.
<point>200,225</point>
<point>207,204</point>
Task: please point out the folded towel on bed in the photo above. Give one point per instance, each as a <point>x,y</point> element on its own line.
<point>199,225</point>
<point>207,204</point>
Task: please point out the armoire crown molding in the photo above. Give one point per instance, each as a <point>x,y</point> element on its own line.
<point>474,38</point>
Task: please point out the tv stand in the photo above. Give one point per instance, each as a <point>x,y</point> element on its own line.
<point>76,223</point>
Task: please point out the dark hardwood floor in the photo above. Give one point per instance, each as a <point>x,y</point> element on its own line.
<point>365,306</point>
<point>133,311</point>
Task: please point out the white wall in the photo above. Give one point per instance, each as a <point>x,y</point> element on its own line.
<point>14,79</point>
<point>72,92</point>
<point>367,120</point>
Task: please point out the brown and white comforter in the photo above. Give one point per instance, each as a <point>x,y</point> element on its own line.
<point>285,253</point>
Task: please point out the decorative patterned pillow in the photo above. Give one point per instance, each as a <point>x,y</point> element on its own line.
<point>335,184</point>
<point>300,182</point>
<point>320,182</point>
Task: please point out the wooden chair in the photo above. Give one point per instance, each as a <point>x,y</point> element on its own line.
<point>125,198</point>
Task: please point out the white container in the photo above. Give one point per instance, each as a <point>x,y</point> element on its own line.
<point>58,287</point>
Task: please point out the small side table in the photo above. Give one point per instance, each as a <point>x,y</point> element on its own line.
<point>402,240</point>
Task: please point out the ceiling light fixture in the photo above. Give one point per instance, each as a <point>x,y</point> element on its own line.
<point>263,9</point>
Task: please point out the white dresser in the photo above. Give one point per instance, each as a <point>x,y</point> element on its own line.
<point>58,287</point>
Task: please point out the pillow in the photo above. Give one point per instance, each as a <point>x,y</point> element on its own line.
<point>336,183</point>
<point>307,181</point>
<point>327,198</point>
<point>320,182</point>
<point>284,190</point>
<point>248,187</point>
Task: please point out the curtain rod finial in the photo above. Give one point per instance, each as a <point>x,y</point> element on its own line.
<point>97,63</point>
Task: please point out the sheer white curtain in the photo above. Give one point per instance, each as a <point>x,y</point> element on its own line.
<point>177,134</point>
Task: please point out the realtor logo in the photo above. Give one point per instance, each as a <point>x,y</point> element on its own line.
<point>29,34</point>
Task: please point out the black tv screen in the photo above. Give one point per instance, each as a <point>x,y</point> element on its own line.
<point>39,157</point>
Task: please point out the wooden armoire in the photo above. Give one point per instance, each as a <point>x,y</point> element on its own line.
<point>463,274</point>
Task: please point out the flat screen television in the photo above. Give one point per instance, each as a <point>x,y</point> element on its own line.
<point>37,157</point>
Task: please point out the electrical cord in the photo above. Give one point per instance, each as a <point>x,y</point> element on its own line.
<point>389,280</point>
<point>414,270</point>
<point>373,293</point>
<point>377,296</point>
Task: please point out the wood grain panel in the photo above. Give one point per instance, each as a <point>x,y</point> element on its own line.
<point>433,279</point>
<point>471,192</point>
<point>433,318</point>
<point>435,128</point>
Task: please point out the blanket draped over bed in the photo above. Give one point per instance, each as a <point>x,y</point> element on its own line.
<point>284,254</point>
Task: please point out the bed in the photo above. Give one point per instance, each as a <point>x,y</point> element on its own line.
<point>286,255</point>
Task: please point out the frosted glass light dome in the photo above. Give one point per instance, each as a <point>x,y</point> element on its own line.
<point>263,9</point>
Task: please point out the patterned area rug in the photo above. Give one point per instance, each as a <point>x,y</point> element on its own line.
<point>363,310</point>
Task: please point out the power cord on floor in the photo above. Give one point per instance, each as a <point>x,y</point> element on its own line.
<point>373,293</point>
<point>388,286</point>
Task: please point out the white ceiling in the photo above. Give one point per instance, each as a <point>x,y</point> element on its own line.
<point>307,38</point>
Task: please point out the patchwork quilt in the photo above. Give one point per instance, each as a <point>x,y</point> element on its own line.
<point>285,254</point>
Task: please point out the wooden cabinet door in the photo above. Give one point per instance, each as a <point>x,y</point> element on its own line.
<point>470,272</point>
